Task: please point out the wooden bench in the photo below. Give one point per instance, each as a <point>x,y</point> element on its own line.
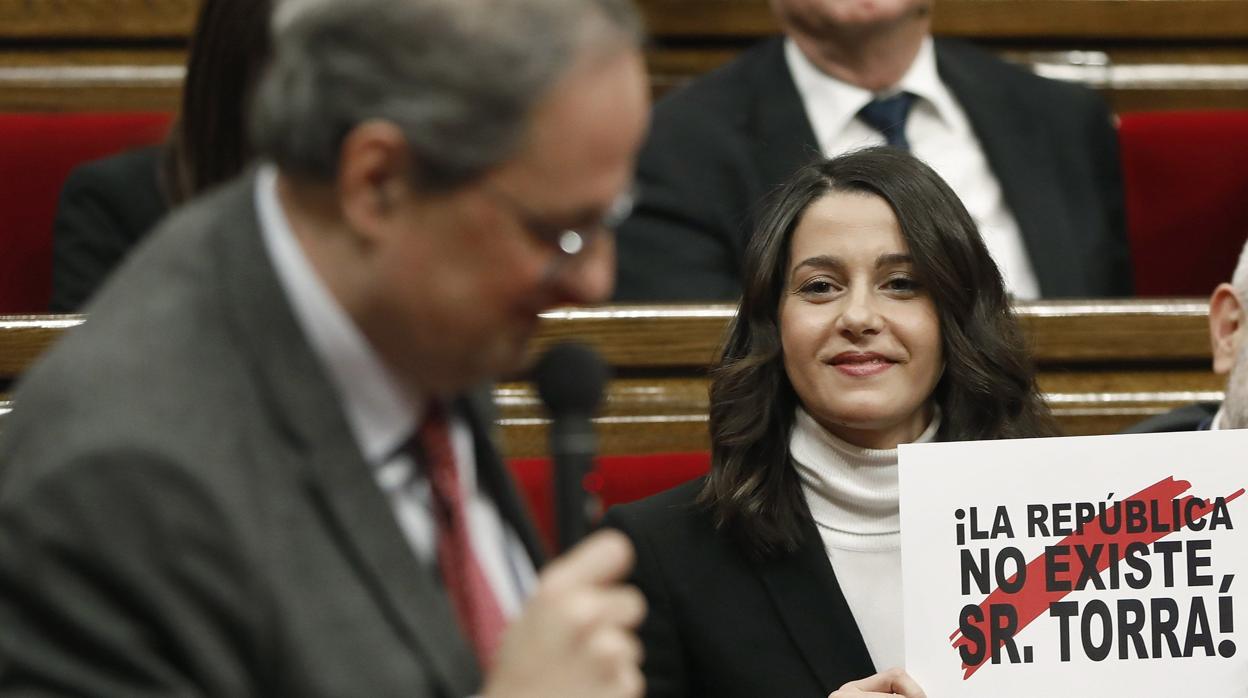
<point>127,55</point>
<point>1142,54</point>
<point>1103,365</point>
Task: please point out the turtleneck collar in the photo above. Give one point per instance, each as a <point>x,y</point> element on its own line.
<point>852,491</point>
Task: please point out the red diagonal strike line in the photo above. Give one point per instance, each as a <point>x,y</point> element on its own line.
<point>1033,599</point>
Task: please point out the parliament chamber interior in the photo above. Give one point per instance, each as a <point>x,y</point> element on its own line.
<point>81,80</point>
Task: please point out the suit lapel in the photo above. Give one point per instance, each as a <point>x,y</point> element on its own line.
<point>783,138</point>
<point>808,597</point>
<point>306,407</point>
<point>1021,157</point>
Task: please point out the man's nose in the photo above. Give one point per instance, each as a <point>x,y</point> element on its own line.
<point>588,277</point>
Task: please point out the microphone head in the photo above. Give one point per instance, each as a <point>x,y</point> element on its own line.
<point>570,377</point>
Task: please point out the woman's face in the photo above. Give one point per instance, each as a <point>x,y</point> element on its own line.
<point>861,337</point>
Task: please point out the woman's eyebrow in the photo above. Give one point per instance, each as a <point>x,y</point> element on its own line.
<point>894,259</point>
<point>823,261</point>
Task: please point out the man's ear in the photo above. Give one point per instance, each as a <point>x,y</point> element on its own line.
<point>374,173</point>
<point>1226,326</point>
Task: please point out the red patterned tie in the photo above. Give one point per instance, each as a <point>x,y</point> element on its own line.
<point>480,616</point>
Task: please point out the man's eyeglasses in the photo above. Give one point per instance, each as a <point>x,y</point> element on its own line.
<point>570,242</point>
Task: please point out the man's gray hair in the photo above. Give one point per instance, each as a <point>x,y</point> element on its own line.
<point>459,77</point>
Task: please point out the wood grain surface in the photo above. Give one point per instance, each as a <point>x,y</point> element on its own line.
<point>97,19</point>
<point>118,55</point>
<point>1102,366</point>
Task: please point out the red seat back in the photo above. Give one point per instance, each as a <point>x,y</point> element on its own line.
<point>1186,180</point>
<point>616,479</point>
<point>37,151</point>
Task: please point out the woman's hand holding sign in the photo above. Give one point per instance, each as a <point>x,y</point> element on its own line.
<point>894,682</point>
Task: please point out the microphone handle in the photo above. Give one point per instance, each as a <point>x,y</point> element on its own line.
<point>572,447</point>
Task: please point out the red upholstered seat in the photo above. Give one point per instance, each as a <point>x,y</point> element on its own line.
<point>617,479</point>
<point>37,151</point>
<point>1186,179</point>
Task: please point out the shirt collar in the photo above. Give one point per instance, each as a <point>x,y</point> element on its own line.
<point>831,103</point>
<point>923,80</point>
<point>379,414</point>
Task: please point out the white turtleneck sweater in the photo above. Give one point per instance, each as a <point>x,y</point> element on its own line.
<point>853,495</point>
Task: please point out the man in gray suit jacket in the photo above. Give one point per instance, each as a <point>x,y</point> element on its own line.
<point>256,470</point>
<point>1227,319</point>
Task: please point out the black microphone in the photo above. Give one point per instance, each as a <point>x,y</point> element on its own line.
<point>570,378</point>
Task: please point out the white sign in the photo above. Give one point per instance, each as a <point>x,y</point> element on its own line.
<point>1072,567</point>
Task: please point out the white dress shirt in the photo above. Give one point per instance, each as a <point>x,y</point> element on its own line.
<point>939,134</point>
<point>382,418</point>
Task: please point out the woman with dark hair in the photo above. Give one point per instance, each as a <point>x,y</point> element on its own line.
<point>107,206</point>
<point>872,316</point>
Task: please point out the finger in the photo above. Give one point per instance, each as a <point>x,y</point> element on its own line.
<point>586,610</point>
<point>891,682</point>
<point>629,682</point>
<point>602,558</point>
<point>905,685</point>
<point>614,649</point>
<point>621,606</point>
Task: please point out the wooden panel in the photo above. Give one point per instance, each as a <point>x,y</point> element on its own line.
<point>659,336</point>
<point>24,338</point>
<point>1161,19</point>
<point>1095,19</point>
<point>665,19</point>
<point>657,415</point>
<point>1099,19</point>
<point>1103,365</point>
<point>1169,330</point>
<point>642,336</point>
<point>91,80</point>
<point>86,69</point>
<point>97,19</point>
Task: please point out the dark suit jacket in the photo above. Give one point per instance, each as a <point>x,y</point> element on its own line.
<point>184,510</point>
<point>1193,417</point>
<point>106,207</point>
<point>717,147</point>
<point>721,624</point>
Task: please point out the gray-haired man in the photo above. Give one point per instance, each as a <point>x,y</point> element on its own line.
<point>254,471</point>
<point>1227,307</point>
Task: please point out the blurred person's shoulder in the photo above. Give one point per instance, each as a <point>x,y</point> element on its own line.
<point>156,367</point>
<point>1194,417</point>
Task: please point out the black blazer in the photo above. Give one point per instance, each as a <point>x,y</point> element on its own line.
<point>106,207</point>
<point>184,509</point>
<point>717,147</point>
<point>722,624</point>
<point>1194,417</point>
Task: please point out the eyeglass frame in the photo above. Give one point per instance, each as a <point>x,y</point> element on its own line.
<point>570,242</point>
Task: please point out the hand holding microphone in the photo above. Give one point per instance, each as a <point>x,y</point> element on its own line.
<point>577,634</point>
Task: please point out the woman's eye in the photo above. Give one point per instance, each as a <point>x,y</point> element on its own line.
<point>816,286</point>
<point>902,284</point>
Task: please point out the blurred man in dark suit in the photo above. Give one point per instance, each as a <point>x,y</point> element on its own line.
<point>259,470</point>
<point>1035,161</point>
<point>1227,308</point>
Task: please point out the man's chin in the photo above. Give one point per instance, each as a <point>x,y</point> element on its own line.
<point>508,358</point>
